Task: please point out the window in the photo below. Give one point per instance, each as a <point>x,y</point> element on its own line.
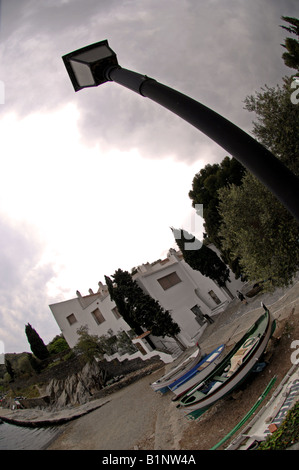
<point>170,280</point>
<point>214,297</point>
<point>196,310</point>
<point>98,317</point>
<point>71,319</point>
<point>116,313</point>
<point>199,316</point>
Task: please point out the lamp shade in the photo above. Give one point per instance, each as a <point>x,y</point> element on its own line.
<point>86,67</point>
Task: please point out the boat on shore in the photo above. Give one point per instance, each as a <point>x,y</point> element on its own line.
<point>161,385</point>
<point>231,371</point>
<point>197,374</point>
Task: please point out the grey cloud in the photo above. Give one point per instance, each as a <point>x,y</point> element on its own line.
<point>217,52</point>
<point>23,281</point>
<point>216,55</point>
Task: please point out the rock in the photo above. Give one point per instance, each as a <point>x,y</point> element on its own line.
<point>76,388</point>
<point>62,400</point>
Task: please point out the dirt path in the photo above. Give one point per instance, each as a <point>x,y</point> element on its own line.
<point>120,424</point>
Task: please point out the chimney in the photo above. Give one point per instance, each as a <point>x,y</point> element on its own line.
<point>100,289</point>
<point>90,291</point>
<point>78,294</point>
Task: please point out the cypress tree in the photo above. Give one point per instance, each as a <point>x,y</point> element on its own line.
<point>36,343</point>
<point>140,308</point>
<point>118,296</point>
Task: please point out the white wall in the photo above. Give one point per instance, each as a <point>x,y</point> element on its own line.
<point>178,299</point>
<point>84,317</point>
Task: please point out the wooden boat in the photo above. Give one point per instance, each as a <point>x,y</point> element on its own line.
<point>161,385</point>
<point>231,371</point>
<point>197,374</point>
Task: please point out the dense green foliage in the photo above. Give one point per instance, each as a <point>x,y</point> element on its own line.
<point>204,191</point>
<point>291,56</point>
<point>202,258</point>
<point>10,370</point>
<point>276,124</point>
<point>94,346</point>
<point>260,232</point>
<point>286,435</point>
<point>88,345</point>
<point>57,345</point>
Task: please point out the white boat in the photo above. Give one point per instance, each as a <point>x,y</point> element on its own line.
<point>161,385</point>
<point>198,373</point>
<point>231,371</point>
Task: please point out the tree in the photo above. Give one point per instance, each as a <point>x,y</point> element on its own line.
<point>276,126</point>
<point>259,230</point>
<point>24,366</point>
<point>10,369</point>
<point>57,345</point>
<point>35,363</point>
<point>140,308</point>
<point>89,345</point>
<point>291,57</point>
<point>36,343</point>
<point>204,191</point>
<point>94,346</point>
<point>204,259</point>
<point>117,295</point>
<point>255,226</point>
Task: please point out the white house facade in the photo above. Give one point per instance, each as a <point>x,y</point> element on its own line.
<point>191,298</point>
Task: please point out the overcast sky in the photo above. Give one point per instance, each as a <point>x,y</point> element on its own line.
<point>92,181</point>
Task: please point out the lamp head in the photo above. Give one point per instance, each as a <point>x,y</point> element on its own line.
<point>86,67</point>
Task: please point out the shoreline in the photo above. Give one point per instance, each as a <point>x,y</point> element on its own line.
<point>41,418</point>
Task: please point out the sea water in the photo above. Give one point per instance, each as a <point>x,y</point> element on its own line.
<point>14,437</point>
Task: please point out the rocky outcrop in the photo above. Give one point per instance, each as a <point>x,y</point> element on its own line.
<point>77,388</point>
<point>69,383</point>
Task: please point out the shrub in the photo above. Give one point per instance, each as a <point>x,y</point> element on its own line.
<point>286,435</point>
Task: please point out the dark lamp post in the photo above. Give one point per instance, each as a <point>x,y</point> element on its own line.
<point>97,64</point>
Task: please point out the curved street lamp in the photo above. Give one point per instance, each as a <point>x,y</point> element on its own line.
<point>97,63</point>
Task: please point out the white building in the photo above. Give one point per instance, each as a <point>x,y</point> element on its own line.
<point>191,298</point>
